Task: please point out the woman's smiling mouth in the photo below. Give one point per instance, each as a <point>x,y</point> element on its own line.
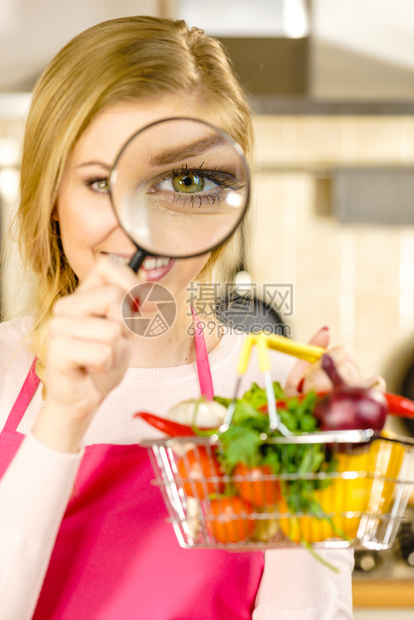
<point>155,267</point>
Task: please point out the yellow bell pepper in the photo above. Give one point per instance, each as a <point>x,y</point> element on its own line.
<point>367,487</point>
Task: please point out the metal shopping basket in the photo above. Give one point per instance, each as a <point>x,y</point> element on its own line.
<point>356,497</point>
<point>361,504</point>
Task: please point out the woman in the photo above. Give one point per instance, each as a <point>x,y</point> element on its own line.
<point>82,532</point>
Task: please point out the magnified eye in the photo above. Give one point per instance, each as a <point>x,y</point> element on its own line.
<point>194,187</point>
<point>187,183</point>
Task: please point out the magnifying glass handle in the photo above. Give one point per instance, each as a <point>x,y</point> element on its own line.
<point>138,259</point>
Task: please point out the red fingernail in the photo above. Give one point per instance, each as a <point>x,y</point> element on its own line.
<point>324,329</point>
<point>299,387</point>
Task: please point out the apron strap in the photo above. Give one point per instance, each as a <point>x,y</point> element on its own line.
<point>26,394</point>
<point>203,366</point>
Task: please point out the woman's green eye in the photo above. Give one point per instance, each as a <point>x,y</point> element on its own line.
<point>98,185</point>
<point>188,183</point>
<point>102,185</point>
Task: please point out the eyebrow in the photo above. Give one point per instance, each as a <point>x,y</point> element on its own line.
<point>95,163</point>
<point>187,150</point>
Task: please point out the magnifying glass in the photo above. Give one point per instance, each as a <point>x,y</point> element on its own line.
<point>179,188</point>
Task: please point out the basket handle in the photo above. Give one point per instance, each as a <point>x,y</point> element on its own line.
<point>264,341</point>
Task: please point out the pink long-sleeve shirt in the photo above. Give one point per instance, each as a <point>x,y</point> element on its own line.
<point>37,486</point>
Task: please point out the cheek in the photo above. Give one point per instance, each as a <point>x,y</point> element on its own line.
<point>74,228</point>
<point>79,233</point>
<point>83,219</point>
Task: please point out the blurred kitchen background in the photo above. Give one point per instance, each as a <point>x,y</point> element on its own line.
<point>331,83</point>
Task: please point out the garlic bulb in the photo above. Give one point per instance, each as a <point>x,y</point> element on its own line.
<point>198,412</point>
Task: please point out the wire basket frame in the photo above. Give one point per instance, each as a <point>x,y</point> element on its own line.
<point>359,503</point>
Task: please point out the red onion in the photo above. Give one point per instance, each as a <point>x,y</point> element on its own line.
<point>349,407</point>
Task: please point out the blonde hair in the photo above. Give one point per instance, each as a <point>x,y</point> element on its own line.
<point>126,59</point>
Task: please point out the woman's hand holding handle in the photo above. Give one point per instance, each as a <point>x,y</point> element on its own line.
<point>305,377</point>
<point>88,354</point>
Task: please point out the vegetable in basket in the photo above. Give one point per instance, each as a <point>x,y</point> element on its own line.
<point>228,521</point>
<point>199,412</point>
<point>349,407</point>
<point>397,405</point>
<point>337,508</point>
<point>200,473</point>
<point>303,509</point>
<point>330,507</point>
<point>183,419</point>
<point>256,485</point>
<point>253,463</point>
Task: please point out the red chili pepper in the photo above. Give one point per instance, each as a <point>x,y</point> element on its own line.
<point>169,427</point>
<point>399,406</point>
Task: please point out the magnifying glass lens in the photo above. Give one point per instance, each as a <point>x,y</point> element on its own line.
<point>180,187</point>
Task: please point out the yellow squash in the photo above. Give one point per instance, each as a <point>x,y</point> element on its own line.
<point>366,487</point>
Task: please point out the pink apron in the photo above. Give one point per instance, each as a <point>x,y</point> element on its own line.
<point>116,558</point>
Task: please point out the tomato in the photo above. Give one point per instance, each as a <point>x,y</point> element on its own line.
<point>254,489</point>
<point>232,524</point>
<point>364,494</point>
<point>200,472</point>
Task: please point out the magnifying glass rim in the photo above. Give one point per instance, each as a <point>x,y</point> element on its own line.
<point>237,147</point>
